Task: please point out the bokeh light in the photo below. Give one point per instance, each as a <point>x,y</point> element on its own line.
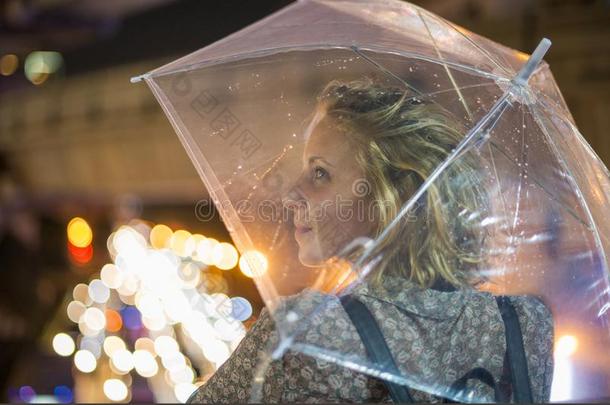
<point>98,291</point>
<point>189,274</point>
<point>27,393</point>
<point>81,293</point>
<point>228,329</point>
<point>216,351</point>
<point>205,251</point>
<point>80,256</point>
<point>39,65</point>
<point>181,243</point>
<point>111,276</point>
<point>122,360</point>
<point>146,344</point>
<point>225,256</point>
<point>63,344</point>
<point>166,345</point>
<point>63,394</point>
<point>115,390</point>
<point>114,322</point>
<point>94,319</point>
<point>145,363</point>
<point>80,234</point>
<point>85,361</point>
<point>113,344</point>
<point>86,330</point>
<point>8,64</point>
<point>184,391</point>
<point>153,289</point>
<point>566,346</point>
<point>160,236</point>
<point>129,286</point>
<point>131,318</point>
<point>241,309</point>
<point>128,242</point>
<point>75,310</point>
<point>182,375</point>
<point>173,361</point>
<point>253,263</point>
<point>92,344</point>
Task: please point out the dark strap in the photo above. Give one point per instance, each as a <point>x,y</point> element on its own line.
<point>517,362</point>
<point>458,388</point>
<point>379,352</point>
<point>375,345</point>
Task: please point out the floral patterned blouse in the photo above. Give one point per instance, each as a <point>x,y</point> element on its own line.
<point>435,337</point>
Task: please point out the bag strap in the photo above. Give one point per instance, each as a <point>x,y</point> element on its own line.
<point>477,373</point>
<point>375,345</point>
<point>517,362</point>
<point>379,352</point>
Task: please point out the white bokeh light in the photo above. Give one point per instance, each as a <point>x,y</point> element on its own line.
<point>94,319</point>
<point>145,363</point>
<point>184,391</point>
<point>75,311</point>
<point>98,291</point>
<point>166,345</point>
<point>122,360</point>
<point>85,361</point>
<point>113,344</point>
<point>111,276</point>
<point>63,344</point>
<point>115,390</point>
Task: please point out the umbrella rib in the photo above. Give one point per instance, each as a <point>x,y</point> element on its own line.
<point>592,228</point>
<point>460,148</point>
<point>477,46</point>
<point>442,59</point>
<point>550,194</point>
<point>272,51</point>
<point>551,104</point>
<point>497,177</point>
<point>518,205</point>
<point>392,74</point>
<point>570,123</point>
<point>385,70</point>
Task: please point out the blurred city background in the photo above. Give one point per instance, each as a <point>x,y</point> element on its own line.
<point>92,175</point>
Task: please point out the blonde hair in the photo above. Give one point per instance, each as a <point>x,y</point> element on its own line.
<point>400,139</point>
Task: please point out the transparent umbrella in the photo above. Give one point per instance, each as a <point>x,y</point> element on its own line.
<point>370,152</point>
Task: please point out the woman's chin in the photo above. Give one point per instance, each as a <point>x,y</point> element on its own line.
<point>309,259</point>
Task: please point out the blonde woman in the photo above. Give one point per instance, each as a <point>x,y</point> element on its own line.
<point>429,322</point>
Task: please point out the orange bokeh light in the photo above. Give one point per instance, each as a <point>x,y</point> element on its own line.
<point>114,322</point>
<point>80,255</point>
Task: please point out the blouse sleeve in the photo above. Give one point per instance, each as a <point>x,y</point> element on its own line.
<point>232,382</point>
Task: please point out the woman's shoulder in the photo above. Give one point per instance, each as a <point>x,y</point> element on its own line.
<point>536,323</point>
<point>531,307</point>
<point>535,317</point>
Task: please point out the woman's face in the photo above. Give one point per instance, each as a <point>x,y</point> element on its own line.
<point>330,199</point>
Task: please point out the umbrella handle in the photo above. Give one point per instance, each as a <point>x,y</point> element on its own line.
<point>533,61</point>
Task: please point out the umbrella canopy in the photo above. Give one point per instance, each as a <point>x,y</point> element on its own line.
<point>373,149</point>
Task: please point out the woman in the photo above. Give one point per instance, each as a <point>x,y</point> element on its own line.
<point>438,328</point>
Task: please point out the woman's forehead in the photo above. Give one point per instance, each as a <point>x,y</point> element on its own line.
<point>327,139</point>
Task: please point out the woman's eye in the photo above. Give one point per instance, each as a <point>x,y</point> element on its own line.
<point>319,173</point>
